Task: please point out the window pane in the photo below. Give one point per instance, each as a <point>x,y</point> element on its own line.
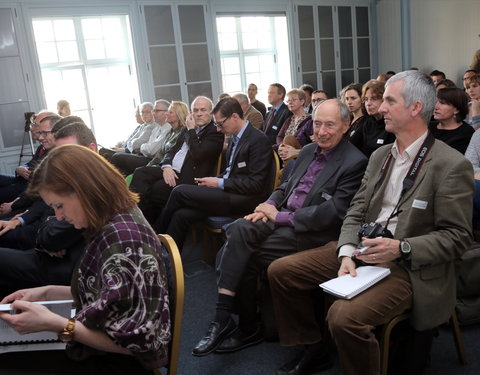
<point>197,89</point>
<point>362,21</point>
<point>112,29</point>
<point>92,28</point>
<point>307,50</point>
<point>12,87</point>
<point>310,78</point>
<point>364,75</point>
<point>164,65</point>
<point>228,41</point>
<point>325,22</point>
<point>347,77</point>
<point>345,21</point>
<point>47,52</point>
<point>363,45</point>
<point>43,31</point>
<point>232,83</point>
<point>327,54</point>
<point>230,65</point>
<point>12,124</point>
<point>252,64</point>
<point>329,84</point>
<point>95,49</point>
<point>115,49</point>
<point>346,53</point>
<point>192,23</point>
<point>168,93</point>
<point>67,51</point>
<point>305,21</point>
<point>158,19</point>
<point>226,25</point>
<point>64,30</point>
<point>197,64</point>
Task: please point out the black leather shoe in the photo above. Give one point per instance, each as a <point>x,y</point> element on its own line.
<point>239,340</point>
<point>308,362</point>
<point>213,338</point>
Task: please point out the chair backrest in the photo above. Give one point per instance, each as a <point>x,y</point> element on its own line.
<point>176,308</point>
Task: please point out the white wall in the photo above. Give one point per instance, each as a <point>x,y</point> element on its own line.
<point>444,35</point>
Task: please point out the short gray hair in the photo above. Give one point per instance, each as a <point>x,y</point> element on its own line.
<point>417,86</point>
<point>202,97</point>
<point>344,111</point>
<point>146,104</point>
<point>164,102</point>
<point>242,98</point>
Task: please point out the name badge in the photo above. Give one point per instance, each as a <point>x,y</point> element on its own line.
<point>274,127</point>
<point>422,205</point>
<point>242,164</point>
<point>326,196</point>
<point>380,141</point>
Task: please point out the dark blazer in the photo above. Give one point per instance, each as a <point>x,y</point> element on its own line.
<point>320,218</point>
<point>204,149</point>
<point>280,116</point>
<point>435,217</point>
<point>252,165</point>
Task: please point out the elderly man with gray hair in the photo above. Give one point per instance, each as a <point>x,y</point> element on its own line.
<point>252,115</point>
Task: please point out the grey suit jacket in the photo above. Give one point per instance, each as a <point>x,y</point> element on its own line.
<point>320,218</point>
<point>436,218</point>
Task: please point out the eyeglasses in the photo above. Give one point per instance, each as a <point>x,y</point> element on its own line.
<point>44,133</point>
<point>146,112</point>
<point>220,123</point>
<point>292,100</point>
<point>160,110</point>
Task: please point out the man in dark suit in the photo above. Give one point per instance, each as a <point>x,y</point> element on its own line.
<point>305,210</point>
<point>277,114</point>
<point>194,155</point>
<point>421,191</point>
<point>237,190</point>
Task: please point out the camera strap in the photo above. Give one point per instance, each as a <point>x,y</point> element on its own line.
<point>412,174</point>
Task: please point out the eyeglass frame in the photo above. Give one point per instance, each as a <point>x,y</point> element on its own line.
<point>220,124</point>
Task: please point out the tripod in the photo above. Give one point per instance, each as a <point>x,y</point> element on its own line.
<point>26,133</point>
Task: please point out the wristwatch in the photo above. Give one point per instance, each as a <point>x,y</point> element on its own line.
<point>67,334</point>
<point>405,249</point>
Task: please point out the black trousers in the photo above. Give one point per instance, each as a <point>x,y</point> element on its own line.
<point>189,204</point>
<point>20,269</point>
<point>127,163</point>
<point>154,192</point>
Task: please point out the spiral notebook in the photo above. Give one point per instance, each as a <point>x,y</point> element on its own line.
<point>9,337</point>
<point>348,287</point>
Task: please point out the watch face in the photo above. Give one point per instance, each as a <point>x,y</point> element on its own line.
<point>405,247</point>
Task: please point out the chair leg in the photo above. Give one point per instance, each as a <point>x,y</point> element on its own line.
<point>457,335</point>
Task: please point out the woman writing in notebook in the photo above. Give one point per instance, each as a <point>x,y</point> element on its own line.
<point>122,321</point>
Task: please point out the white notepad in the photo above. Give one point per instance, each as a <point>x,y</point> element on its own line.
<point>348,287</point>
<point>8,336</point>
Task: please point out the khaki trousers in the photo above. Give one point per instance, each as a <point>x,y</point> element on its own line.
<point>351,322</point>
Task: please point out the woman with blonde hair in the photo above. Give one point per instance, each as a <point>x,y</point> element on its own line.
<point>63,108</point>
<point>145,176</point>
<point>122,320</point>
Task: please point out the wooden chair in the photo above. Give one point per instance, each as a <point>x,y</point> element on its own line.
<point>386,330</point>
<point>176,302</point>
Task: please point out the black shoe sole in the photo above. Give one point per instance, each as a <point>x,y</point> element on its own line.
<point>240,347</point>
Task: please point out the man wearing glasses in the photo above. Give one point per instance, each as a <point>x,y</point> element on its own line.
<point>12,186</point>
<point>306,210</point>
<point>244,183</point>
<point>127,163</point>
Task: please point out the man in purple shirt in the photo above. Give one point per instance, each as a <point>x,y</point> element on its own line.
<point>304,212</point>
